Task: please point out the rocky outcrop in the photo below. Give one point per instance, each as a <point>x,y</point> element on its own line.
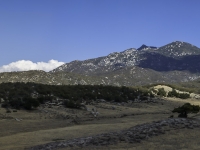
<point>131,135</point>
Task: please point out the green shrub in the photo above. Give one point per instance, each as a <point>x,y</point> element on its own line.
<point>161,92</point>
<point>29,103</point>
<point>72,104</point>
<point>185,109</point>
<point>119,99</point>
<point>174,93</point>
<point>184,95</point>
<point>16,103</point>
<point>4,105</point>
<point>8,111</point>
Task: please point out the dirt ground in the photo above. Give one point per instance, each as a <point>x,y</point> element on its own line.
<point>24,129</point>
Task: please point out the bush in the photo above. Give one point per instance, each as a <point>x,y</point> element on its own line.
<point>185,109</point>
<point>30,103</point>
<point>16,103</point>
<point>43,99</point>
<point>174,93</point>
<point>4,105</point>
<point>161,92</point>
<point>184,95</point>
<point>72,104</point>
<point>119,99</point>
<point>142,97</point>
<point>8,111</point>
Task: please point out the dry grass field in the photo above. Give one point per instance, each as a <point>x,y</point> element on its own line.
<point>23,129</point>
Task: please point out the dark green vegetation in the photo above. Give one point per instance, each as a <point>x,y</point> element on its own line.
<point>31,95</point>
<point>185,109</point>
<point>72,104</point>
<point>174,93</point>
<point>161,92</point>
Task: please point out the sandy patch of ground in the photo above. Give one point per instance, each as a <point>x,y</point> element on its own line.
<point>168,89</point>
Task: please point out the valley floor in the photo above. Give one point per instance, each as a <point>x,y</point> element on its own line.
<point>25,129</point>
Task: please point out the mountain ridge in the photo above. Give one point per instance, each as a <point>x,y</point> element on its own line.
<point>176,52</point>
<point>174,62</point>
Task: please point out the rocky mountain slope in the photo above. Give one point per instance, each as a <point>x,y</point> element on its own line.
<point>174,62</point>
<point>176,56</point>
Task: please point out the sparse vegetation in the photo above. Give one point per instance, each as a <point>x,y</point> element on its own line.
<point>174,93</point>
<point>184,87</point>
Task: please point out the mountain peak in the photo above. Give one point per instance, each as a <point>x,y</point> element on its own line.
<point>142,47</point>
<point>145,47</point>
<point>178,49</point>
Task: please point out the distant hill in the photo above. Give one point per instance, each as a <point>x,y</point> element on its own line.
<point>127,77</point>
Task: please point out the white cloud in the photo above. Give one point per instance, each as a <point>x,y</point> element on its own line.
<point>25,65</point>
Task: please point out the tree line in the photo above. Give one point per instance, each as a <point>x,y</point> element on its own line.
<point>31,95</point>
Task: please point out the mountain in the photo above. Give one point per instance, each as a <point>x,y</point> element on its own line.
<point>178,49</point>
<point>174,62</point>
<point>176,56</point>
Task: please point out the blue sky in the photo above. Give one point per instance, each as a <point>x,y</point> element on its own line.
<point>66,30</point>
